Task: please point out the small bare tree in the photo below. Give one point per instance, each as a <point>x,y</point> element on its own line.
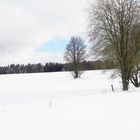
<point>75,53</point>
<point>110,25</point>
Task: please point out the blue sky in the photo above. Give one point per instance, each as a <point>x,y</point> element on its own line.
<point>57,45</point>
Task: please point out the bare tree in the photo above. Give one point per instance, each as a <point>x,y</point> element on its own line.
<point>75,53</point>
<point>110,25</point>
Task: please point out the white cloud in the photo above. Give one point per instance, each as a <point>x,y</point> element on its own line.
<point>27,24</point>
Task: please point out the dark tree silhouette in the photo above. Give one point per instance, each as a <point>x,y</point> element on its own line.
<point>111,24</point>
<point>75,53</point>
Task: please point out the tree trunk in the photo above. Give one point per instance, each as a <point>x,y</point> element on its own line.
<point>125,83</point>
<point>125,86</point>
<point>76,71</point>
<point>76,74</point>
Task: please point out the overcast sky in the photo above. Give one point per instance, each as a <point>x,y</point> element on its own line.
<point>38,30</point>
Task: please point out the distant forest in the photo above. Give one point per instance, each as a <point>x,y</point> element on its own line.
<point>54,67</point>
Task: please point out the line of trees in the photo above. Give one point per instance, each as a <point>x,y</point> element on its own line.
<point>31,68</point>
<point>55,67</point>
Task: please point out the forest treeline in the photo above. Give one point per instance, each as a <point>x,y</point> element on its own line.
<point>54,67</point>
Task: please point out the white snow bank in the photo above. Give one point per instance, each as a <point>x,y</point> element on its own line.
<point>54,106</point>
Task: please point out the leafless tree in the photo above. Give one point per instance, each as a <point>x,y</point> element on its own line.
<point>110,25</point>
<point>75,53</point>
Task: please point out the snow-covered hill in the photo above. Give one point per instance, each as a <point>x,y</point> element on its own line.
<point>54,106</point>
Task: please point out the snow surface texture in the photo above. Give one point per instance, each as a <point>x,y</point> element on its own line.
<point>54,106</point>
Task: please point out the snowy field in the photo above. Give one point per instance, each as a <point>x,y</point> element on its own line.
<point>54,106</point>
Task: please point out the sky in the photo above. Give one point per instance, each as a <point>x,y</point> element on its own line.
<point>33,31</point>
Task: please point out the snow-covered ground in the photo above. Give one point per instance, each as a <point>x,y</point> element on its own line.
<point>54,106</point>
